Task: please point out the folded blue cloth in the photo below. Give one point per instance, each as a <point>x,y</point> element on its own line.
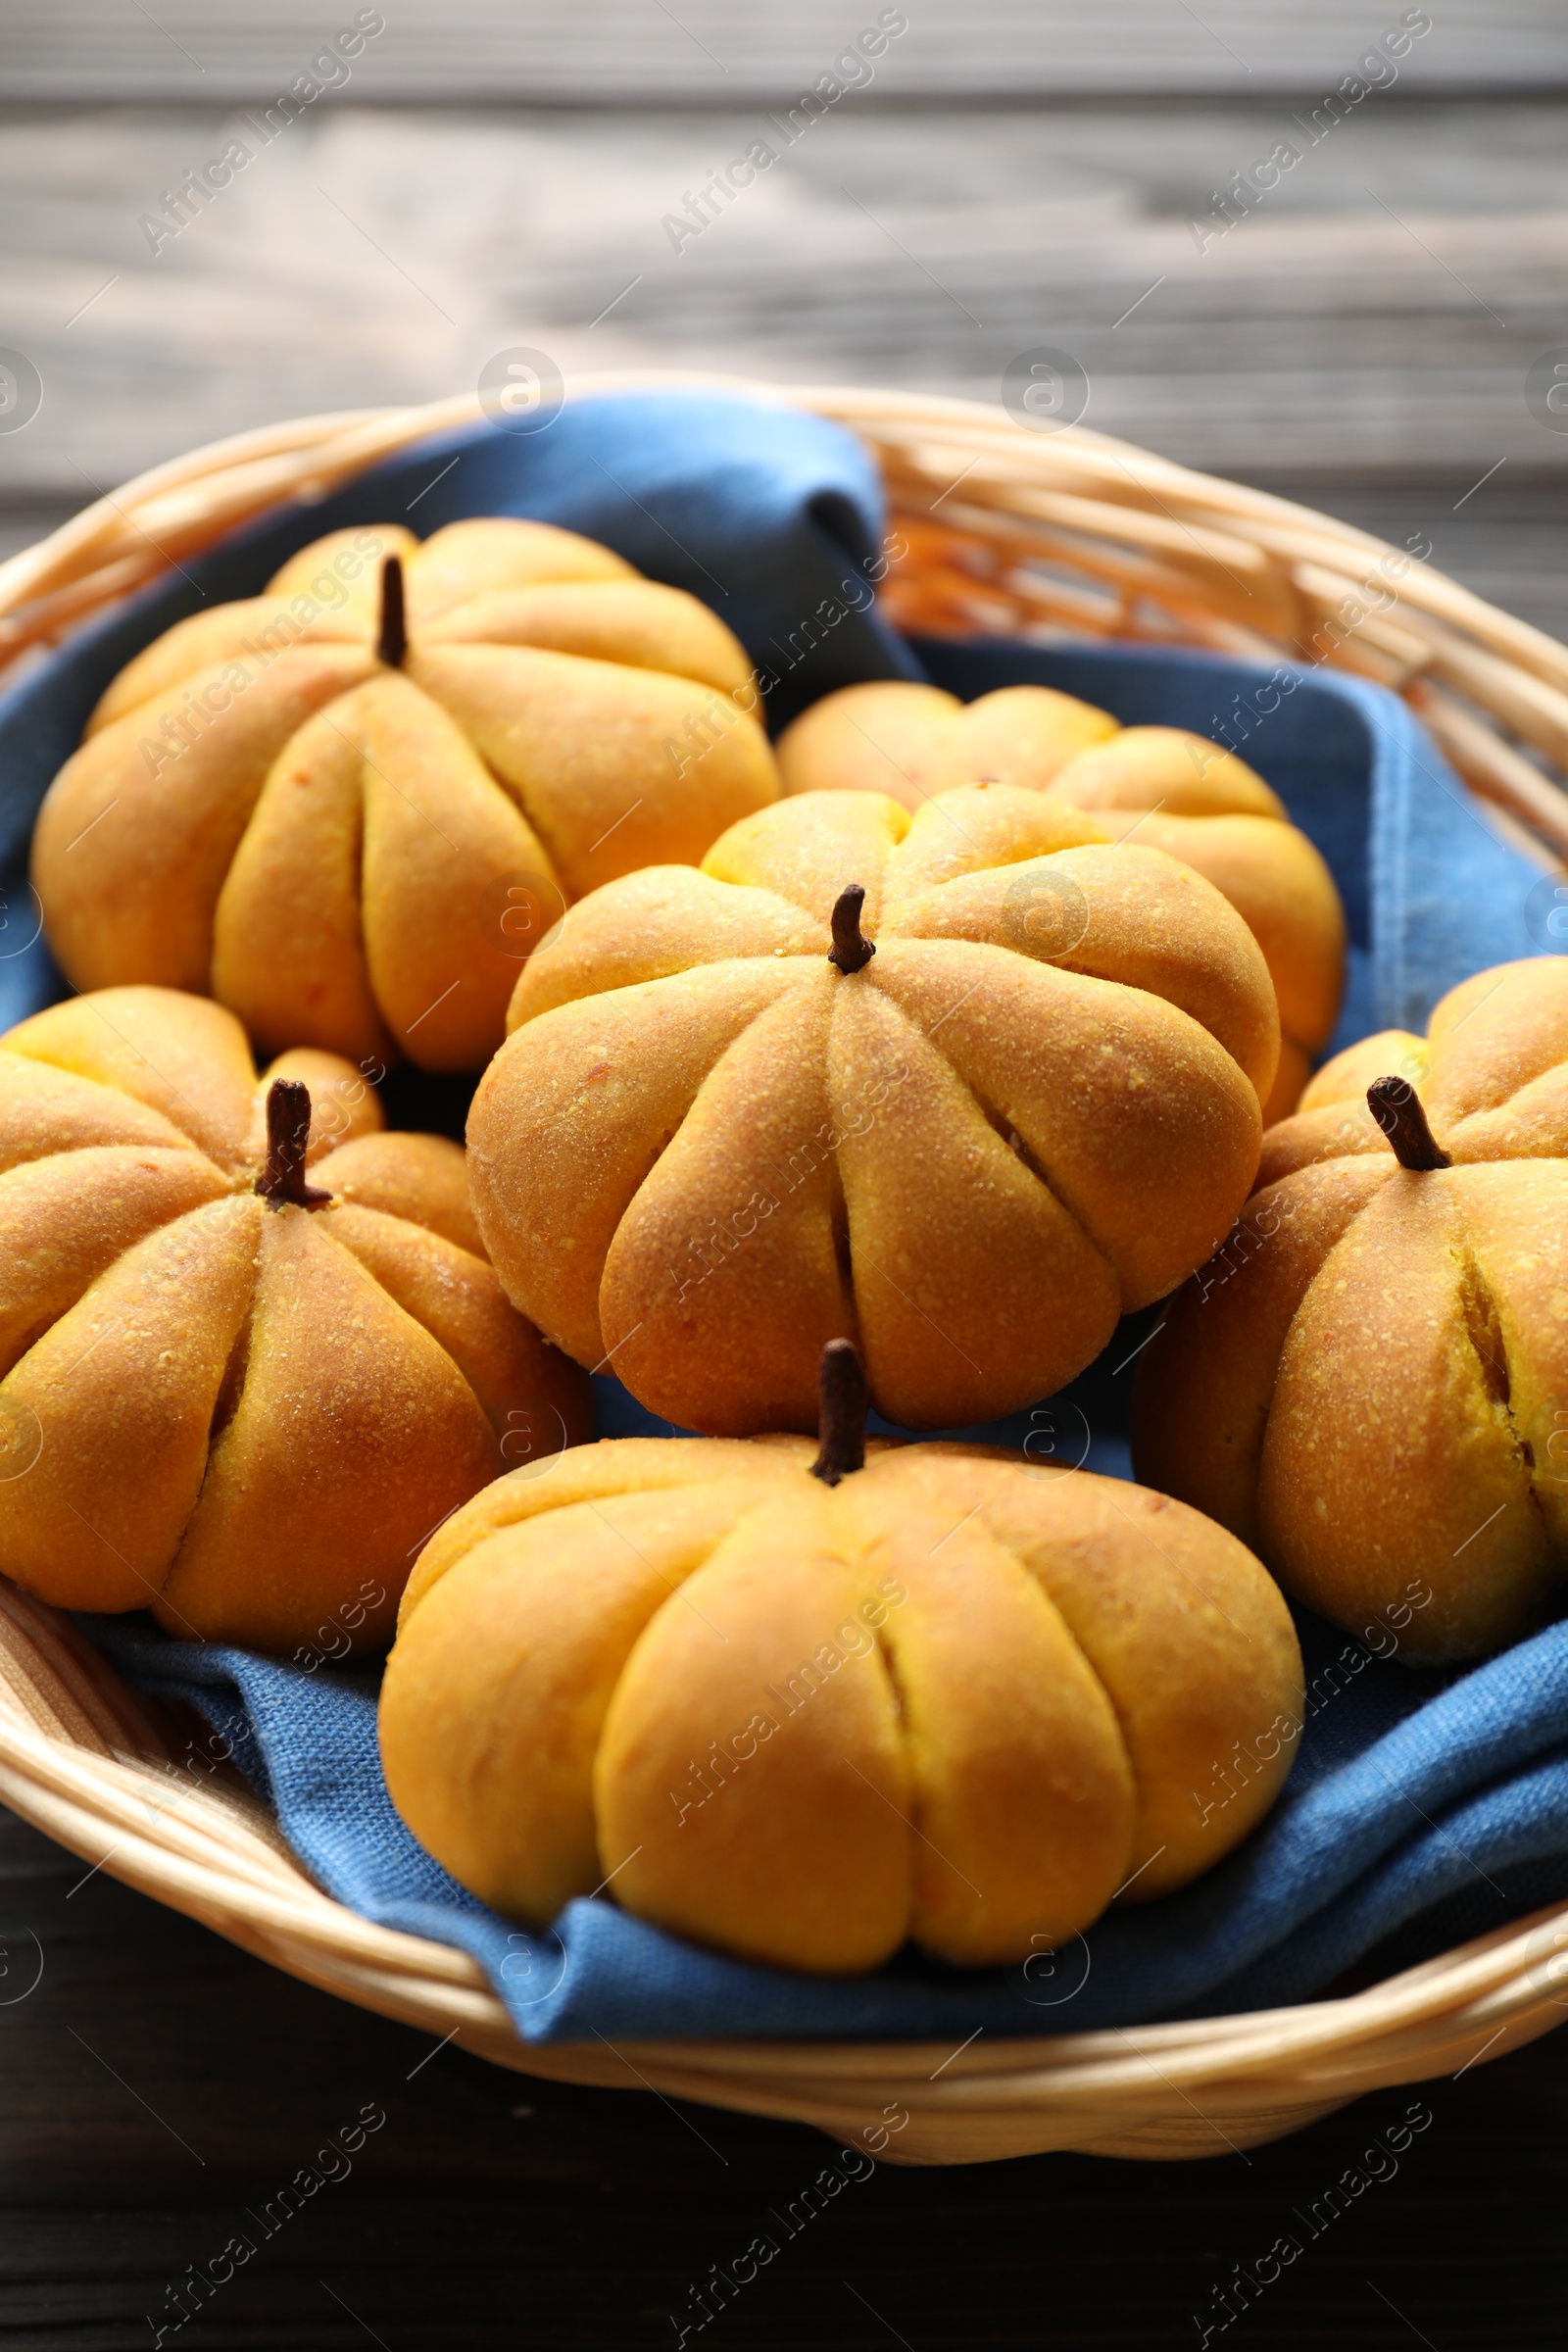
<point>1404,1791</point>
<point>1432,1804</point>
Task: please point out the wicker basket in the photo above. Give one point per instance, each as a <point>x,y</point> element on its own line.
<point>1009,532</point>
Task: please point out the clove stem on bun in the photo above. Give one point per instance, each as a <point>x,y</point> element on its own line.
<point>392,642</point>
<point>842,1402</point>
<point>288,1128</point>
<point>851,948</point>
<point>1397,1107</point>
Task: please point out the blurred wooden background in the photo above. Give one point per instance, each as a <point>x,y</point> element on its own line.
<point>1015,174</point>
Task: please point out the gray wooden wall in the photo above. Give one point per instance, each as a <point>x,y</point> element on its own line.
<point>641,52</point>
<point>1006,176</point>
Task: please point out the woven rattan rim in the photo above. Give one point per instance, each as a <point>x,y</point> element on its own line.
<point>1008,531</point>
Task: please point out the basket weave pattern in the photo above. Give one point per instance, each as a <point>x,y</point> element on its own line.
<point>1008,532</point>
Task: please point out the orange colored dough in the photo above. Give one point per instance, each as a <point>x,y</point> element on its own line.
<point>1162,786</point>
<point>244,1415</point>
<point>357,853</point>
<point>704,1149</point>
<point>948,1700</point>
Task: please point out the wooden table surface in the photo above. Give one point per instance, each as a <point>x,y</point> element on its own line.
<point>1362,343</point>
<point>158,2088</point>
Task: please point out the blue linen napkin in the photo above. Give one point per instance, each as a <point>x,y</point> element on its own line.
<point>1405,1790</point>
<point>1428,1805</point>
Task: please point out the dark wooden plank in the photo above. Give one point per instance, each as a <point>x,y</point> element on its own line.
<point>722,50</point>
<point>159,2089</point>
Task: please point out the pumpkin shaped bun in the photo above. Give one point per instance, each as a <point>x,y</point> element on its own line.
<point>250,1348</point>
<point>1174,791</point>
<point>1370,1382</point>
<point>808,1711</point>
<point>961,1086</point>
<point>349,807</point>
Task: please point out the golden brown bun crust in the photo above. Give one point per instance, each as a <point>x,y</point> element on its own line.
<point>949,1701</point>
<point>1290,1080</point>
<point>356,858</point>
<point>911,741</point>
<point>1366,1381</point>
<point>420,1177</point>
<point>1173,790</point>
<point>244,1417</point>
<point>705,1151</point>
